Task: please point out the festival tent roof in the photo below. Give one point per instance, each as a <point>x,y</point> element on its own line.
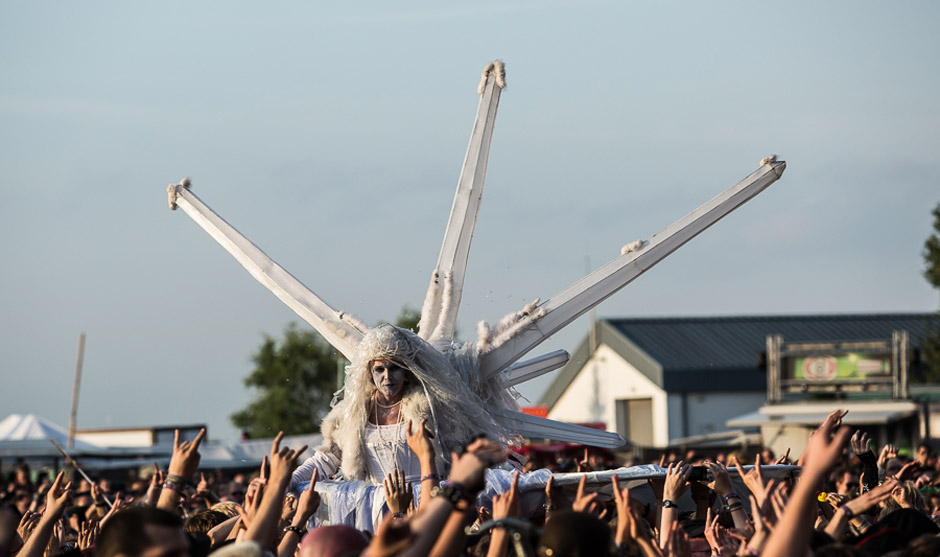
<point>28,435</point>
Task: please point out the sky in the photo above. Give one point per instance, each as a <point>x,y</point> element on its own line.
<point>332,135</point>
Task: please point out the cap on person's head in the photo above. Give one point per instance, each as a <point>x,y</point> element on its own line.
<point>333,541</point>
<point>575,534</point>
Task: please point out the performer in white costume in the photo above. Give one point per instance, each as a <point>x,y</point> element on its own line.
<point>461,389</point>
<point>396,378</point>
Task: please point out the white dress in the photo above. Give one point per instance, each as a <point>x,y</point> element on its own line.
<point>360,504</point>
<point>387,449</point>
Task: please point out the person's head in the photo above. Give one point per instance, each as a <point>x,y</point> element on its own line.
<point>767,456</point>
<point>389,378</point>
<point>923,453</point>
<point>142,532</point>
<point>333,541</point>
<point>847,482</point>
<point>202,522</point>
<point>228,508</point>
<point>22,500</point>
<point>75,516</point>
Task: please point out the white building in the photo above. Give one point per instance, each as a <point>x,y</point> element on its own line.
<point>657,381</point>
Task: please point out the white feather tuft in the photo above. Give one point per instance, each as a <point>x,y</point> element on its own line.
<point>632,246</point>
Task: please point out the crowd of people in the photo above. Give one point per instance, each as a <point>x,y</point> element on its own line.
<point>846,499</point>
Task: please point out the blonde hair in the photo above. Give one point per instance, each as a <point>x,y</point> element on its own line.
<point>447,390</point>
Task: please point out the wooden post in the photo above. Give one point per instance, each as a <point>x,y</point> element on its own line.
<point>78,381</point>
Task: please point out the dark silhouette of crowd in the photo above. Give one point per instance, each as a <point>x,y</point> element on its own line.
<point>847,498</point>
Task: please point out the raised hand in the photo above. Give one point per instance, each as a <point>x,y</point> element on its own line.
<point>722,483</point>
<point>625,518</point>
<point>785,458</point>
<point>677,481</point>
<point>907,471</point>
<point>419,440</point>
<point>506,505</point>
<point>467,469</point>
<point>584,465</point>
<point>282,460</point>
<point>398,494</point>
<point>118,504</point>
<point>185,458</point>
<point>87,534</point>
<point>58,497</point>
<point>887,453</point>
<point>753,479</point>
<point>548,505</point>
<point>28,524</point>
<point>202,488</point>
<point>308,503</point>
<point>587,502</point>
<point>861,442</point>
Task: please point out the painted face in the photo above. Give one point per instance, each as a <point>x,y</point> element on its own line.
<point>389,378</point>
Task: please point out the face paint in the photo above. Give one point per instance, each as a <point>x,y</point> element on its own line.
<point>389,379</point>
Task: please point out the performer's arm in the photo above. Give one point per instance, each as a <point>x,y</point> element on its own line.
<point>325,463</point>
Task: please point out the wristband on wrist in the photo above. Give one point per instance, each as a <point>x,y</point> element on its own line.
<point>731,495</point>
<point>733,507</point>
<point>847,511</point>
<point>452,491</point>
<point>430,477</point>
<point>175,478</point>
<point>173,486</point>
<point>295,529</point>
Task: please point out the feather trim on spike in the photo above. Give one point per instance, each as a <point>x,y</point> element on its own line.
<point>445,323</point>
<point>512,323</point>
<point>430,311</point>
<point>499,69</point>
<point>484,336</point>
<point>632,246</point>
<point>353,321</point>
<point>172,193</point>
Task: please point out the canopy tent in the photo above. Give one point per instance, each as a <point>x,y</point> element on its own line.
<point>27,436</point>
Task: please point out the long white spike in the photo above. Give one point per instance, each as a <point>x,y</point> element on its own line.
<point>542,428</point>
<point>344,335</point>
<point>439,313</point>
<point>530,369</point>
<point>605,281</point>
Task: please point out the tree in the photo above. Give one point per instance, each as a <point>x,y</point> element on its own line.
<point>931,344</point>
<point>408,319</point>
<point>295,379</point>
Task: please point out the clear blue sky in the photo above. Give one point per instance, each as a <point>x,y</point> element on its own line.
<point>332,136</point>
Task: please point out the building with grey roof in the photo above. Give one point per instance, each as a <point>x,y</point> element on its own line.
<point>659,380</point>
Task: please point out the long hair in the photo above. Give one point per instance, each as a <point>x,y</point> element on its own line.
<point>442,386</point>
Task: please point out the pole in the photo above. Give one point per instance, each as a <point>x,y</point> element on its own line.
<point>78,381</point>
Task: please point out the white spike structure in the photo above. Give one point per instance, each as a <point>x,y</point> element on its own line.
<point>517,333</point>
<point>583,295</point>
<point>439,312</point>
<point>339,329</point>
<point>530,369</point>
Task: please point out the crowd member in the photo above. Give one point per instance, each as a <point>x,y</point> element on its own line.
<point>832,507</point>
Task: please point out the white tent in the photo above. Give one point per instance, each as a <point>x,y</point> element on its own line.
<point>28,435</point>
